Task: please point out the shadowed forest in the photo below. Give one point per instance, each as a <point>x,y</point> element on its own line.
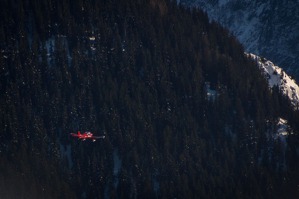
<point>185,113</point>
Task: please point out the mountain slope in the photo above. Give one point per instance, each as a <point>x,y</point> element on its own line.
<point>277,77</point>
<point>268,29</point>
<point>185,113</point>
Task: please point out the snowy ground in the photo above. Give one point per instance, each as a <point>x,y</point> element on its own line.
<point>277,77</point>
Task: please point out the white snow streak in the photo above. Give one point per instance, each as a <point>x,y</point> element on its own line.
<point>277,77</point>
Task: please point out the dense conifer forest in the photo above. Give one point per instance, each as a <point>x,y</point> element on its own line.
<point>185,113</point>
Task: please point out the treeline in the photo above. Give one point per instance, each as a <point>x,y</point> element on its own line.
<point>184,112</point>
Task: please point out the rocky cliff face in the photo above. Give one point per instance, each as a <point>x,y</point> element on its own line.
<point>266,28</point>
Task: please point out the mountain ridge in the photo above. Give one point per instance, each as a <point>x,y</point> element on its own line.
<point>277,77</point>
<point>268,29</point>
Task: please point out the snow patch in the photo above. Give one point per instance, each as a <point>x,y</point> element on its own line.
<point>212,94</point>
<point>65,151</point>
<point>116,167</point>
<point>50,46</point>
<point>116,163</point>
<point>282,127</point>
<point>282,133</point>
<point>92,38</point>
<point>277,77</point>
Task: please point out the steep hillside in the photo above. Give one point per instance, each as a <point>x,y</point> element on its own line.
<point>277,77</point>
<point>266,28</point>
<point>185,113</point>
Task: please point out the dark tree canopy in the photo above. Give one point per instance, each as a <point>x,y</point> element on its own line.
<point>185,113</point>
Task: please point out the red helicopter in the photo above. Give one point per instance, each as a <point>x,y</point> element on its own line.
<point>87,135</point>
